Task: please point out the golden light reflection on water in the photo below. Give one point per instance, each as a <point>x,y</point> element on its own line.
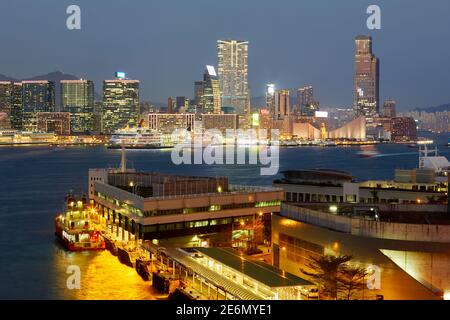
<point>103,277</point>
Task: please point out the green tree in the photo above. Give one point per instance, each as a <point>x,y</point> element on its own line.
<point>326,272</point>
<point>352,280</point>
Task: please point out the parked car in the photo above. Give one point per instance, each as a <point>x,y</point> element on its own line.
<point>310,292</point>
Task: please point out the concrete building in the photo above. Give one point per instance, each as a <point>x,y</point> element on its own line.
<point>221,122</point>
<point>405,249</point>
<point>167,123</point>
<point>379,128</point>
<point>389,108</point>
<point>315,129</point>
<point>319,186</point>
<point>403,129</point>
<point>282,105</point>
<point>148,206</point>
<point>306,104</point>
<point>355,129</point>
<point>306,131</point>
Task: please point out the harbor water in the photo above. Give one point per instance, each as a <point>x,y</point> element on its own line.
<point>35,180</point>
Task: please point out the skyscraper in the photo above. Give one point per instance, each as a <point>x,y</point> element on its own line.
<point>170,105</point>
<point>120,104</point>
<point>270,98</point>
<point>6,93</point>
<point>77,98</point>
<point>180,103</point>
<point>17,107</point>
<point>38,96</point>
<point>366,78</point>
<point>198,93</point>
<point>208,93</point>
<point>389,108</point>
<point>306,104</point>
<point>233,74</point>
<point>282,104</point>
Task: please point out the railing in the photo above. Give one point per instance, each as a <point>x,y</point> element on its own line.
<point>368,228</point>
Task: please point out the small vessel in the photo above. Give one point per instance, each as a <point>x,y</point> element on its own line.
<point>368,151</point>
<point>137,138</point>
<point>76,228</point>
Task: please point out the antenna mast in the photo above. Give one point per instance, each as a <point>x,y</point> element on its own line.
<point>123,160</point>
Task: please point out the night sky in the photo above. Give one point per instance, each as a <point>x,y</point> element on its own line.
<point>167,43</point>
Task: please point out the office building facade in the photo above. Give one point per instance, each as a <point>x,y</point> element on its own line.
<point>233,74</point>
<point>270,97</point>
<point>37,96</point>
<point>53,122</point>
<point>77,98</point>
<point>207,92</point>
<point>366,78</point>
<point>120,104</point>
<point>306,104</point>
<point>167,123</point>
<point>6,99</point>
<point>389,108</point>
<point>282,104</point>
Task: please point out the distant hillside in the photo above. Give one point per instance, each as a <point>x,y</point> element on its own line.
<point>441,108</point>
<point>6,78</point>
<point>55,77</point>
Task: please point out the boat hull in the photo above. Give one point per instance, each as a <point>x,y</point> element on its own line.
<point>146,147</point>
<point>79,246</point>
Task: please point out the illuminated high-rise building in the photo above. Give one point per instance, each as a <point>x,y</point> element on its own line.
<point>389,108</point>
<point>6,94</point>
<point>306,104</point>
<point>198,93</point>
<point>180,103</point>
<point>170,105</point>
<point>210,93</point>
<point>233,74</point>
<point>282,104</point>
<point>120,104</point>
<point>37,96</point>
<point>17,107</point>
<point>366,78</point>
<point>270,98</point>
<point>77,98</point>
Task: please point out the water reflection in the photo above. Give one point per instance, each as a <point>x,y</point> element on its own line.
<point>103,277</point>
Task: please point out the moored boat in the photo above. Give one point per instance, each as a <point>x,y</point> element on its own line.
<point>76,228</point>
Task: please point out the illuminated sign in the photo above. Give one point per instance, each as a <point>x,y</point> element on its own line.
<point>211,71</point>
<point>120,75</point>
<point>271,89</point>
<point>321,114</point>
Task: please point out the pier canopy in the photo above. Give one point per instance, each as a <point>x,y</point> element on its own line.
<point>263,279</point>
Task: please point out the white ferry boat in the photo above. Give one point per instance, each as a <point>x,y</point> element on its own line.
<point>138,138</point>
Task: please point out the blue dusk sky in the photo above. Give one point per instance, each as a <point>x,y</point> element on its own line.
<point>167,43</point>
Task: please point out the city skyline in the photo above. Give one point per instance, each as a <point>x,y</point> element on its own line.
<point>165,70</point>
